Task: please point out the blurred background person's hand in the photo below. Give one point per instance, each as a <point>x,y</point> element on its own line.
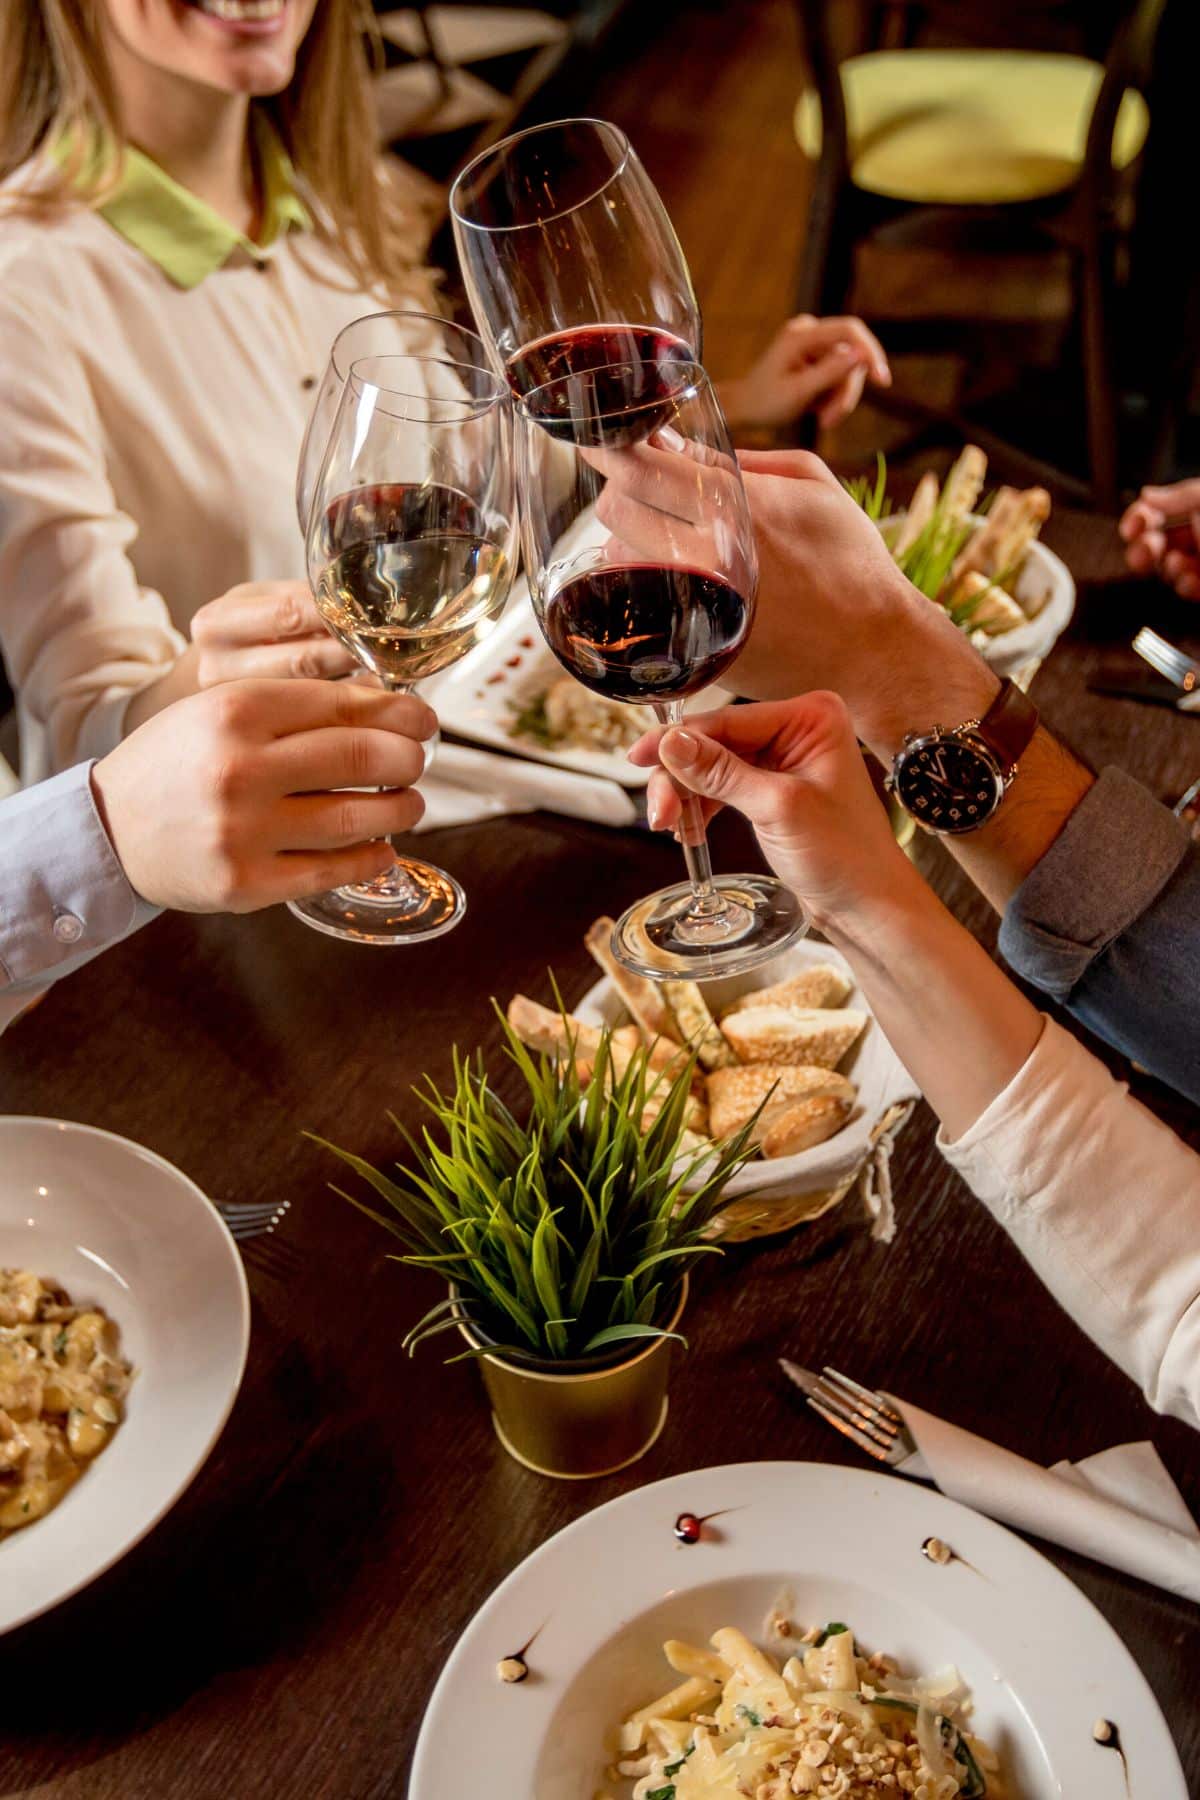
<point>810,365</point>
<point>1173,554</point>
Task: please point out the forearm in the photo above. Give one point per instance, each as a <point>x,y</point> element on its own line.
<point>954,1019</point>
<point>947,683</point>
<point>1104,1202</point>
<point>906,668</point>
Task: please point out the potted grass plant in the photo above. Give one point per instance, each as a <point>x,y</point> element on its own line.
<point>565,1229</point>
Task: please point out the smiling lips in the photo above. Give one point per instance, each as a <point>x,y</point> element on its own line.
<point>241,12</point>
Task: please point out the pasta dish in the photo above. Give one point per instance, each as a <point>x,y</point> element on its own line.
<point>62,1391</point>
<point>830,1722</point>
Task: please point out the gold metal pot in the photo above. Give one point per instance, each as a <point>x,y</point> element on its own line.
<point>579,1420</point>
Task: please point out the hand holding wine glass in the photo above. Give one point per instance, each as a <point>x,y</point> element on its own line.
<point>411,550</point>
<point>640,556</point>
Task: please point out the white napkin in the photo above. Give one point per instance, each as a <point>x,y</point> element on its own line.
<point>1120,1507</point>
<point>467,785</point>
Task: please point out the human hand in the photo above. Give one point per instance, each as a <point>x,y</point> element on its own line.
<point>676,501</point>
<point>834,611</point>
<point>809,363</point>
<point>265,628</point>
<point>795,770</point>
<point>1149,550</point>
<point>226,801</point>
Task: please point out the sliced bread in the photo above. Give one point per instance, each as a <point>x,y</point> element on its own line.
<point>822,985</point>
<point>797,1125</point>
<point>734,1094</point>
<point>695,1025</point>
<point>642,998</point>
<point>816,1037</point>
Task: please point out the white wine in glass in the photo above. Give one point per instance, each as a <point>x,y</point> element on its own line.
<point>411,553</point>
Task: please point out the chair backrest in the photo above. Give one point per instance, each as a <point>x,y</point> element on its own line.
<point>1128,64</point>
<point>1129,27</point>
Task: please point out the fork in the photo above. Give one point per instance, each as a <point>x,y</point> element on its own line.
<point>253,1225</point>
<point>1170,661</point>
<point>859,1413</point>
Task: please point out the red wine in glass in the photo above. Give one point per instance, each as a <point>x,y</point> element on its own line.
<point>646,634</point>
<point>572,379</point>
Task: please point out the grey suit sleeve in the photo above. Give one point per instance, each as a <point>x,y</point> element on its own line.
<point>63,893</point>
<point>1108,923</point>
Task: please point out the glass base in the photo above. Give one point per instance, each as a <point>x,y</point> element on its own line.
<point>407,904</point>
<point>667,936</point>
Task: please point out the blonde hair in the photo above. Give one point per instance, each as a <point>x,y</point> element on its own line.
<point>55,80</point>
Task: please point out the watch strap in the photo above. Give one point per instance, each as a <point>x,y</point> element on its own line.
<point>1008,725</point>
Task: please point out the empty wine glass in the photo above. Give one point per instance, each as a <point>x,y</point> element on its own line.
<point>568,256</point>
<point>411,550</point>
<point>639,551</point>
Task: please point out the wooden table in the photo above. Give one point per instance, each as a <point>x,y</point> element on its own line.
<point>279,1633</point>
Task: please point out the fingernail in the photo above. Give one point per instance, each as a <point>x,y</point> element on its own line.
<point>667,438</point>
<point>654,815</point>
<point>681,748</point>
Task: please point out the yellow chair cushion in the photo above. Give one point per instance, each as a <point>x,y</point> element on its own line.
<point>970,127</point>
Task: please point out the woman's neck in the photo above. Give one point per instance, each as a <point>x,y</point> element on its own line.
<point>199,136</point>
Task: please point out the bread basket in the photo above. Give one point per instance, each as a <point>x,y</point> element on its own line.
<point>769,1196</point>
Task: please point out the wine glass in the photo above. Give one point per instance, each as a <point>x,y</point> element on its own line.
<point>569,259</point>
<point>411,551</point>
<point>378,334</point>
<point>639,551</point>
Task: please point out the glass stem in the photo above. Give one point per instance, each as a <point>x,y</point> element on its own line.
<point>394,687</point>
<point>693,835</point>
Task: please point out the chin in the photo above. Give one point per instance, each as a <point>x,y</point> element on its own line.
<point>249,45</point>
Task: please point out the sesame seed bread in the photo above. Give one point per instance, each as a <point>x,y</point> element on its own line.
<point>821,985</point>
<point>734,1094</point>
<point>779,1034</point>
<point>797,1125</point>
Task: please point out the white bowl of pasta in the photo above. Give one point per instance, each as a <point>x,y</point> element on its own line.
<point>817,1546</point>
<point>124,1323</point>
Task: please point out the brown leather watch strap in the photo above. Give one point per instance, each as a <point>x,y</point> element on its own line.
<point>1008,725</point>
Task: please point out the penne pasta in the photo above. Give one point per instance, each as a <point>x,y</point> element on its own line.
<point>690,1659</point>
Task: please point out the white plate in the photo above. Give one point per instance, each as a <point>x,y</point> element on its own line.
<point>871,1064</point>
<point>117,1225</point>
<point>476,697</point>
<point>604,1593</point>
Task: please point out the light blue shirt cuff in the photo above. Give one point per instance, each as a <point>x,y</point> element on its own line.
<point>63,893</point>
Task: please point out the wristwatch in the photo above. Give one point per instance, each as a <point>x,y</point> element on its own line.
<point>951,780</point>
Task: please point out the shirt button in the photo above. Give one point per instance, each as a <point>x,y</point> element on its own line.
<point>307,382</point>
<point>262,267</point>
<point>67,928</point>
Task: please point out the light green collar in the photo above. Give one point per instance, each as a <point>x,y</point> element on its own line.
<point>182,234</point>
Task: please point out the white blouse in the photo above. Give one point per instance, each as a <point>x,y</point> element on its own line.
<point>149,433</point>
<point>1103,1200</point>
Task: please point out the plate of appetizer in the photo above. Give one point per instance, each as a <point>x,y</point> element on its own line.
<point>124,1323</point>
<point>794,1041</point>
<point>740,1630</point>
<point>980,557</point>
<point>511,694</point>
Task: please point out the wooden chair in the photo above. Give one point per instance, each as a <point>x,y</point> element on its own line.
<point>1033,147</point>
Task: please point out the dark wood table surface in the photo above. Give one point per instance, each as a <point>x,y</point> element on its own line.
<point>279,1633</point>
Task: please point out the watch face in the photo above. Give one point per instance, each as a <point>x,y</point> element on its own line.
<point>948,784</point>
